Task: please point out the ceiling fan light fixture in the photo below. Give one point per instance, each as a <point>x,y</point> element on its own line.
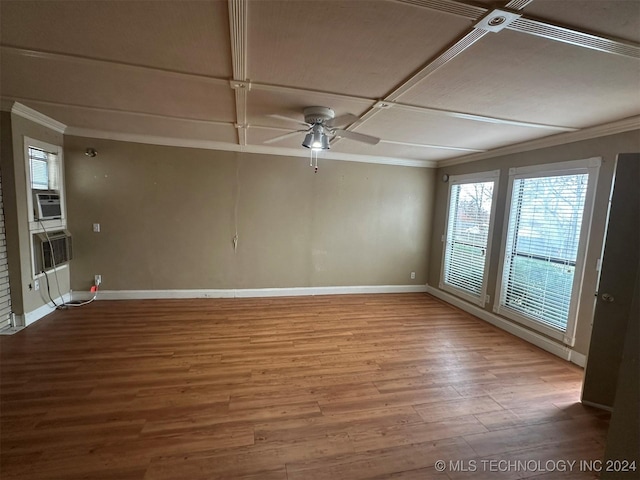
<point>324,144</point>
<point>308,140</point>
<point>316,140</point>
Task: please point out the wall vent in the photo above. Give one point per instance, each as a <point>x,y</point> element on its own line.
<point>51,251</point>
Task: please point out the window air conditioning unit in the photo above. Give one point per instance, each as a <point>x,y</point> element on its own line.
<point>46,205</point>
<point>52,250</point>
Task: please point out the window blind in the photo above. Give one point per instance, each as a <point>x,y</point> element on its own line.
<point>543,235</point>
<point>45,171</point>
<point>466,236</point>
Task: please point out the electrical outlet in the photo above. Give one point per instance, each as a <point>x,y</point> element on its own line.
<point>96,228</point>
<point>97,279</point>
<point>413,275</point>
<point>36,284</point>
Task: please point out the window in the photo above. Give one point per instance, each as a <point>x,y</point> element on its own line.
<point>44,181</point>
<point>542,262</point>
<point>467,235</point>
<point>44,168</point>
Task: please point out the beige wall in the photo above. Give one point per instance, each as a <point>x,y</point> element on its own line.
<point>168,216</point>
<point>605,147</point>
<point>14,183</point>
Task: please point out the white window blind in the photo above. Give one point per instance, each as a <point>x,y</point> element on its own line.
<point>541,249</point>
<point>466,239</point>
<point>45,170</point>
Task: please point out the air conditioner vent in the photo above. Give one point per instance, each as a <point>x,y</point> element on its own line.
<point>52,251</point>
<point>573,37</point>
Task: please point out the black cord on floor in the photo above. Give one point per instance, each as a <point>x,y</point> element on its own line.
<point>49,291</point>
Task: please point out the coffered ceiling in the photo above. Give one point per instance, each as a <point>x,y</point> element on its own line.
<point>434,79</point>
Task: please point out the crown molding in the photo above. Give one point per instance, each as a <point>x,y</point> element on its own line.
<point>232,147</point>
<point>37,117</point>
<point>620,126</point>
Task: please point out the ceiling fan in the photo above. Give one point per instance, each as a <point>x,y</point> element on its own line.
<point>321,127</point>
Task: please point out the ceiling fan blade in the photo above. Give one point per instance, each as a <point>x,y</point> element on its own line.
<point>282,137</point>
<point>342,120</point>
<point>359,137</point>
<point>289,119</point>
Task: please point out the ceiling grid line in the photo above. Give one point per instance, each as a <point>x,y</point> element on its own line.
<point>262,87</point>
<point>458,47</point>
<point>482,118</point>
<point>517,4</point>
<point>118,111</point>
<point>404,73</point>
<point>81,59</point>
<point>574,37</point>
<point>238,27</point>
<point>537,27</point>
<point>449,54</point>
<point>416,108</point>
<point>450,6</point>
<point>439,147</point>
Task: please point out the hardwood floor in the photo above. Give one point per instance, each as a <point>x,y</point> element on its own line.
<point>333,387</point>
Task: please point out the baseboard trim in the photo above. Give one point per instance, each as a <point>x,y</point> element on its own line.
<point>247,292</point>
<point>534,338</point>
<point>597,405</point>
<point>11,330</point>
<point>40,312</point>
<point>578,358</point>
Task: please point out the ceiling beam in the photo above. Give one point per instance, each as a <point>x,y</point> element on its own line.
<point>114,110</point>
<point>93,61</point>
<point>246,86</point>
<point>517,4</point>
<point>438,147</point>
<point>575,37</point>
<point>479,118</point>
<point>536,26</point>
<point>521,24</point>
<point>434,64</point>
<point>238,28</point>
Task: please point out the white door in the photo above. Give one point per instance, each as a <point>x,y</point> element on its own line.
<point>616,289</point>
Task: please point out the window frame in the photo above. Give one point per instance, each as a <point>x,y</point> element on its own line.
<point>590,166</point>
<point>57,150</point>
<point>50,225</point>
<point>489,176</point>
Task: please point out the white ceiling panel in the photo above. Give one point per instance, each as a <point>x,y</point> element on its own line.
<point>290,103</point>
<point>191,36</point>
<point>257,137</point>
<point>393,150</point>
<point>516,76</point>
<point>618,18</point>
<point>122,123</point>
<point>400,125</point>
<point>101,85</point>
<point>356,47</point>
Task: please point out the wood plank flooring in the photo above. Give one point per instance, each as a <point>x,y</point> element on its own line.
<point>305,388</point>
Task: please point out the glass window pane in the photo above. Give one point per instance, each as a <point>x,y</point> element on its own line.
<point>542,246</point>
<point>45,170</point>
<point>467,236</point>
<point>39,169</point>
